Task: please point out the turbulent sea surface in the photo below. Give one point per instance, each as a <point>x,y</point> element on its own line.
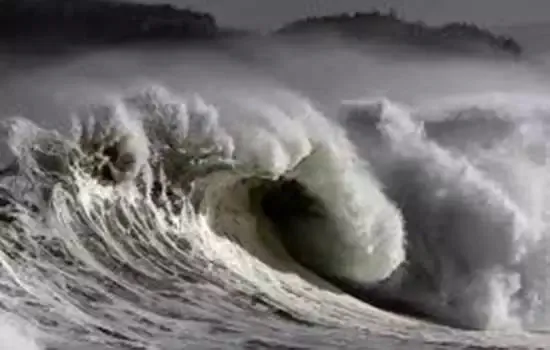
<point>281,199</point>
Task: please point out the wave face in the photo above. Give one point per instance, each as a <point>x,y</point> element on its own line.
<point>161,219</point>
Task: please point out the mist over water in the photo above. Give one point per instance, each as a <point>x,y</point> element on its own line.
<point>274,194</point>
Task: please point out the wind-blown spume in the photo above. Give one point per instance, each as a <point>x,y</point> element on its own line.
<point>472,221</point>
<point>163,219</point>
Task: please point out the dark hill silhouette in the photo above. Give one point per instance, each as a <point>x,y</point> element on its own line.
<point>87,22</point>
<point>99,21</point>
<point>388,28</point>
<point>534,37</point>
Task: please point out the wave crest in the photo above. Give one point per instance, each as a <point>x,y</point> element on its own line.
<point>387,207</point>
<point>180,154</point>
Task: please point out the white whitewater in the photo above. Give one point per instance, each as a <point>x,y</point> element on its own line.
<point>144,226</point>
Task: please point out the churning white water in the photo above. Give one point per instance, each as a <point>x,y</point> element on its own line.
<point>168,218</point>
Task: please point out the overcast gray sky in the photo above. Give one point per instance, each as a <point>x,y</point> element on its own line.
<point>266,14</point>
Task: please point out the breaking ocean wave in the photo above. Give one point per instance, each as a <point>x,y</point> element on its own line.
<point>165,221</point>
